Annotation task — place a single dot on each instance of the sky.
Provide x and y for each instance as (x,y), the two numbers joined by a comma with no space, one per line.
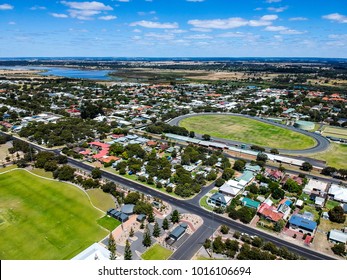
(173,28)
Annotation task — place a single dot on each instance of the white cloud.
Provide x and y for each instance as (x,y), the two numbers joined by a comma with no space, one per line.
(258,9)
(231,35)
(198,29)
(59,15)
(336,17)
(176,31)
(137,31)
(199,36)
(6,7)
(11,23)
(283,30)
(298,19)
(160,36)
(232,22)
(195,0)
(83,14)
(152,24)
(125,1)
(269,17)
(273,1)
(34,8)
(94,6)
(146,13)
(277,10)
(107,17)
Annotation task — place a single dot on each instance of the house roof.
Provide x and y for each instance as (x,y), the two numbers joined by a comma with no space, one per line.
(250,203)
(270,212)
(128,208)
(218,197)
(303,223)
(339,192)
(178,231)
(246,176)
(338,235)
(229,190)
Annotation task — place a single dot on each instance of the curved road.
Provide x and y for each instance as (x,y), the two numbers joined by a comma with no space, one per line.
(211,220)
(321,142)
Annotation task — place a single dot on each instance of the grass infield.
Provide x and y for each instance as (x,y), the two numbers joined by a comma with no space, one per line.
(44,219)
(248,131)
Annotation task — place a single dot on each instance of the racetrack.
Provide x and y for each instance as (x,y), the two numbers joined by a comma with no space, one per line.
(321,142)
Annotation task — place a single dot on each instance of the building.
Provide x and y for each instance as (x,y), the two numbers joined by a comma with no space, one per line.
(338,193)
(218,200)
(250,203)
(94,252)
(128,209)
(178,231)
(337,236)
(269,212)
(301,224)
(317,186)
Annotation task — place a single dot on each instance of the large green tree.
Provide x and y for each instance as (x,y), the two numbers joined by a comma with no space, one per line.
(112,247)
(128,255)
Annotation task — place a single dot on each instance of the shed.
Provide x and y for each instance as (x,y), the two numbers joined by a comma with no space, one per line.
(141,218)
(178,231)
(123,217)
(337,236)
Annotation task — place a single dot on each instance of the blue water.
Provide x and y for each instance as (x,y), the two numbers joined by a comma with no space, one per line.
(68,72)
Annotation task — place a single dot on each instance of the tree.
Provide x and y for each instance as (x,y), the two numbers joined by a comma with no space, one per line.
(337,215)
(262,157)
(150,217)
(64,173)
(274,151)
(147,237)
(156,230)
(206,137)
(50,165)
(224,229)
(279,225)
(90,111)
(246,214)
(219,182)
(228,173)
(239,165)
(306,166)
(132,198)
(112,247)
(339,249)
(131,233)
(207,243)
(175,217)
(218,245)
(165,224)
(96,173)
(191,134)
(257,242)
(128,255)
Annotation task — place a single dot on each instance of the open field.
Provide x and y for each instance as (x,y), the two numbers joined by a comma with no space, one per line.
(247,131)
(156,252)
(100,199)
(44,219)
(334,131)
(42,172)
(335,156)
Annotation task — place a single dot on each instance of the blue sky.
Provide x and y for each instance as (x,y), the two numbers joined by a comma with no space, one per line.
(165,28)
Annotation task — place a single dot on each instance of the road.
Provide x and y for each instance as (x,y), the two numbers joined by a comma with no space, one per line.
(321,142)
(211,220)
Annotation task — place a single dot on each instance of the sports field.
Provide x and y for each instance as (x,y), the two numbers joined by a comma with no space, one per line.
(335,156)
(248,131)
(44,219)
(337,132)
(156,252)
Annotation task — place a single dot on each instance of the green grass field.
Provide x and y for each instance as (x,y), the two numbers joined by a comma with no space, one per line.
(338,132)
(108,223)
(247,131)
(100,199)
(156,252)
(44,219)
(335,156)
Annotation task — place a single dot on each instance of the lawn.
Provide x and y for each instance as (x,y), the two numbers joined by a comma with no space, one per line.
(42,172)
(100,199)
(203,203)
(335,156)
(156,252)
(312,210)
(43,219)
(330,204)
(108,223)
(7,168)
(334,131)
(247,131)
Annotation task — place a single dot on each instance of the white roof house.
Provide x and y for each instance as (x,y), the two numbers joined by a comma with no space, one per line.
(338,236)
(315,185)
(338,193)
(94,252)
(229,190)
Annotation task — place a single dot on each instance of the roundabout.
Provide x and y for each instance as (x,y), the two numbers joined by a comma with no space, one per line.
(237,129)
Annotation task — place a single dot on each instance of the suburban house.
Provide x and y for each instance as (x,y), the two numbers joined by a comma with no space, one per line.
(338,236)
(250,203)
(274,174)
(231,188)
(301,224)
(269,212)
(316,187)
(338,193)
(218,200)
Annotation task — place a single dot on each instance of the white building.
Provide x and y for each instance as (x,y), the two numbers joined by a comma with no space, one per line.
(94,252)
(315,185)
(338,193)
